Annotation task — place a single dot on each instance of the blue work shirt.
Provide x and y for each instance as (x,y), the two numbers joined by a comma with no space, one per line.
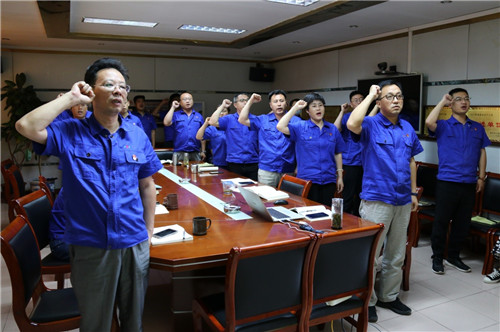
(148,122)
(185,129)
(352,153)
(134,120)
(67,114)
(315,150)
(276,151)
(387,151)
(168,131)
(217,139)
(57,221)
(100,177)
(459,149)
(242,143)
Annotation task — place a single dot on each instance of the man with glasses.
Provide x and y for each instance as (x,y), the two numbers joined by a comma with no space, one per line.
(461,146)
(186,123)
(242,145)
(351,157)
(109,195)
(389,185)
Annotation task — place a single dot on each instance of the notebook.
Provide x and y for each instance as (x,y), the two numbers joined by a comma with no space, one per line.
(277,213)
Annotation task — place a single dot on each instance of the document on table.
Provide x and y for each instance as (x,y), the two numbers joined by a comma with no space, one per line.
(179,236)
(268,192)
(160,209)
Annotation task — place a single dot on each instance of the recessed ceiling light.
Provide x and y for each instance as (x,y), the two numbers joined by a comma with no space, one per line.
(210,29)
(295,2)
(119,22)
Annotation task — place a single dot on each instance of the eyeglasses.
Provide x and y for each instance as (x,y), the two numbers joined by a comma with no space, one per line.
(357,100)
(187,99)
(112,86)
(390,97)
(242,100)
(460,99)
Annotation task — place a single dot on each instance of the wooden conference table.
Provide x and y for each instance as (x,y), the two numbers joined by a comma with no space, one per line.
(196,267)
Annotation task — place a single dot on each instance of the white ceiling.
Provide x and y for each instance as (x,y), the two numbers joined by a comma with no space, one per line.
(23,27)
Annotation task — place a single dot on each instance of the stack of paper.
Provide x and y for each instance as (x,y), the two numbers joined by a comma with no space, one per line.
(269,193)
(178,236)
(314,212)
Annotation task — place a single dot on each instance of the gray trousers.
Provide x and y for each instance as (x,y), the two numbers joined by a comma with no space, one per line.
(102,278)
(394,236)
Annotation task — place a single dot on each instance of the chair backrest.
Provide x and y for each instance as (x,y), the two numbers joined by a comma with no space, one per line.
(294,185)
(36,207)
(490,197)
(42,180)
(267,280)
(342,265)
(427,178)
(14,181)
(22,257)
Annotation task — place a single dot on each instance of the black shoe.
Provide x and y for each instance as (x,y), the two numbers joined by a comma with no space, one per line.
(397,306)
(372,314)
(457,264)
(437,265)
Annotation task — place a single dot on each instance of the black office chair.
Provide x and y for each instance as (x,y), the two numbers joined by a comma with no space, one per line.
(36,207)
(294,185)
(164,154)
(264,289)
(53,310)
(342,265)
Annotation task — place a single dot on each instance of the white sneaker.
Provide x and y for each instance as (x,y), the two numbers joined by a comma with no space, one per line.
(493,277)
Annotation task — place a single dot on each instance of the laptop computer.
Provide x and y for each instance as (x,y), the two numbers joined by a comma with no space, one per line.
(277,213)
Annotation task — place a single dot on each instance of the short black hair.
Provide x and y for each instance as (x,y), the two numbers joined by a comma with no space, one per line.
(310,97)
(390,82)
(355,92)
(294,101)
(276,92)
(104,63)
(139,97)
(235,97)
(456,90)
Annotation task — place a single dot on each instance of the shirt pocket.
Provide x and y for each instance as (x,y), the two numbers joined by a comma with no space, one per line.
(89,162)
(130,165)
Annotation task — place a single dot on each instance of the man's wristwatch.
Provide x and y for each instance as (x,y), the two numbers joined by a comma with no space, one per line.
(414,194)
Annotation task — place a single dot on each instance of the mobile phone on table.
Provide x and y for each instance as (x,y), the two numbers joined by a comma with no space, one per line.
(316,215)
(164,233)
(215,172)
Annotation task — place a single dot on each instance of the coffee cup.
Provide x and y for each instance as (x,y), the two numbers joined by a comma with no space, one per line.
(200,226)
(170,201)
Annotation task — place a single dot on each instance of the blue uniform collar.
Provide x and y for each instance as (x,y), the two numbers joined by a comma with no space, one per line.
(454,121)
(312,124)
(385,121)
(96,128)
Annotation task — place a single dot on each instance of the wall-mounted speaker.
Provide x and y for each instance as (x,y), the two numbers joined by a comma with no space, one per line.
(260,74)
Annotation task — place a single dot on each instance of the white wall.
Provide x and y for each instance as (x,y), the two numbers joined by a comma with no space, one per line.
(465,52)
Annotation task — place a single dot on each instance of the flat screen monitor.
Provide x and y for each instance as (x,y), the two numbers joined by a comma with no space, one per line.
(412,91)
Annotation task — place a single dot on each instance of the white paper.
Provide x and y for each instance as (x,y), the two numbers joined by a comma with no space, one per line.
(268,192)
(179,236)
(160,209)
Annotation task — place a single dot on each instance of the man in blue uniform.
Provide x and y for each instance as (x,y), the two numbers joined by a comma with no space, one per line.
(109,195)
(389,187)
(242,145)
(186,123)
(147,119)
(461,150)
(276,151)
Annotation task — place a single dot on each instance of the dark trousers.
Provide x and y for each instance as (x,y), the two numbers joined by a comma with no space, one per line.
(353,177)
(322,193)
(248,170)
(454,201)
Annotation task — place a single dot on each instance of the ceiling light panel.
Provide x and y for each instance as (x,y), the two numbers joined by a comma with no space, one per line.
(191,27)
(119,22)
(304,3)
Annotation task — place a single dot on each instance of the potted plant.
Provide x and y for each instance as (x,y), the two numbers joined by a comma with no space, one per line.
(19,100)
